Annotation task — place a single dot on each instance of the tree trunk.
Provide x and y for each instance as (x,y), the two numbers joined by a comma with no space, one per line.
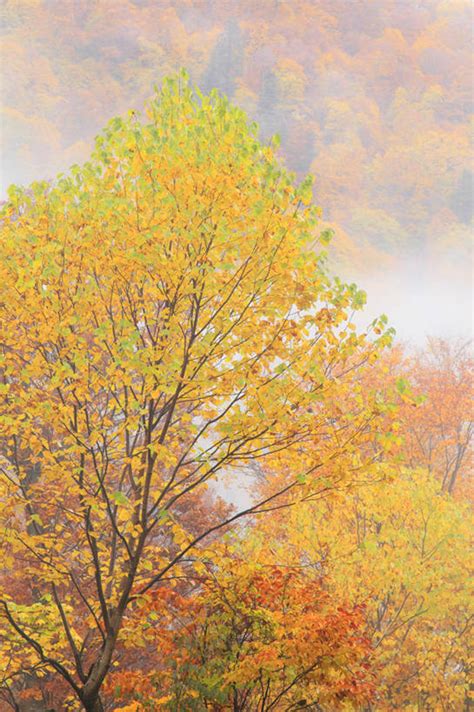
(94,705)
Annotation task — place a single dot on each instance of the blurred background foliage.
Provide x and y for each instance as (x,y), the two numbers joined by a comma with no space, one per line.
(374,98)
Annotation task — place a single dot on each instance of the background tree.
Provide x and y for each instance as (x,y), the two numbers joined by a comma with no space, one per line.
(401,547)
(438,434)
(433,390)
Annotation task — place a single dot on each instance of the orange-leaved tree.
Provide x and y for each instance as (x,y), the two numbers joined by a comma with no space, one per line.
(162,314)
(433,424)
(438,434)
(254,636)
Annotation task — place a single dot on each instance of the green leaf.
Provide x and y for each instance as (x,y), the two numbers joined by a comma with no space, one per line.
(120,498)
(402,385)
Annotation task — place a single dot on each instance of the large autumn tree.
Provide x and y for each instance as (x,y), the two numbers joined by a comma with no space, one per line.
(164,319)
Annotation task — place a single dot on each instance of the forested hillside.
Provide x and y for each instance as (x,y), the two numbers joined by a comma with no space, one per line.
(367,96)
